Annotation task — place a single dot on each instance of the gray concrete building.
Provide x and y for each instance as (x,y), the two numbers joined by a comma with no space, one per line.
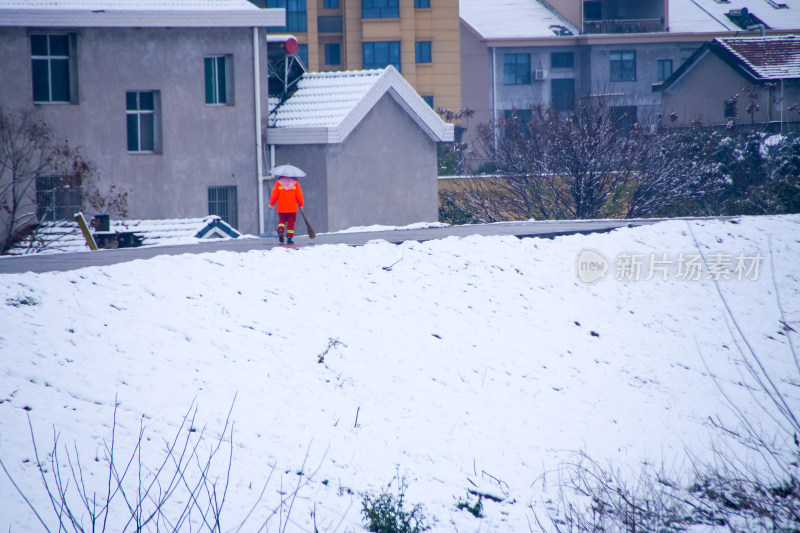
(367,141)
(165,98)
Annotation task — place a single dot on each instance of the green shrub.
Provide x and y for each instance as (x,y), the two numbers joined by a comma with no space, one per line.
(386,513)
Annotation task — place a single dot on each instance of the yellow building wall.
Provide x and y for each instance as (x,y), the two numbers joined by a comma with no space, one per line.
(438,24)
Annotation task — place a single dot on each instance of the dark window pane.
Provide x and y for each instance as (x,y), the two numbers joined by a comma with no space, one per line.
(131,101)
(59,70)
(562,60)
(133,132)
(563,93)
(209,77)
(41,80)
(59,45)
(332,54)
(369,55)
(147,127)
(146,100)
(423,52)
(39,45)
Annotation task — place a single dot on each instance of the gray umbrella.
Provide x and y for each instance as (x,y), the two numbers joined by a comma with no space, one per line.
(290,171)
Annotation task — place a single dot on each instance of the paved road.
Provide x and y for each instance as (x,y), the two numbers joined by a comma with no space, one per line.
(72,261)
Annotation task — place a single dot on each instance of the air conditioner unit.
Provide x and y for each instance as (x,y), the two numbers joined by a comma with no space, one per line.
(540,75)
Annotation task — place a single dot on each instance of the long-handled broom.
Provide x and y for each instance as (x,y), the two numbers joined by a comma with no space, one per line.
(311,232)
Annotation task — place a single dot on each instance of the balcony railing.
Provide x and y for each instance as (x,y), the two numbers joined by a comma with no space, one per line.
(623,26)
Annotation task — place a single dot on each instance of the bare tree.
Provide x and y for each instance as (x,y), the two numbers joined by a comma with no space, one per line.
(29,150)
(593,161)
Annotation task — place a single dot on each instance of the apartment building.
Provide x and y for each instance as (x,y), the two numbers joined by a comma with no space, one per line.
(516,53)
(419,38)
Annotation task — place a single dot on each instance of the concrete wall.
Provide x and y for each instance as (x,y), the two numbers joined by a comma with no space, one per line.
(383,173)
(201,145)
(313,159)
(701,94)
(640,91)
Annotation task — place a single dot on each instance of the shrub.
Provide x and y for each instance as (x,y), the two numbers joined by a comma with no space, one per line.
(386,513)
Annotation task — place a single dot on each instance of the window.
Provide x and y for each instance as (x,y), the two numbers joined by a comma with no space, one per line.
(664,69)
(331,4)
(141,113)
(563,93)
(57,198)
(382,54)
(379,9)
(302,54)
(520,118)
(624,117)
(423,51)
(333,54)
(296,19)
(52,58)
(428,100)
(218,80)
(517,69)
(222,202)
(422,3)
(730,108)
(623,66)
(562,60)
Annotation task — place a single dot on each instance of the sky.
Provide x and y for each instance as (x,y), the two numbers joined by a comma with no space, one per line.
(324,373)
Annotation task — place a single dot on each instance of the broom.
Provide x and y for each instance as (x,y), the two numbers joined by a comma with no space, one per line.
(311,232)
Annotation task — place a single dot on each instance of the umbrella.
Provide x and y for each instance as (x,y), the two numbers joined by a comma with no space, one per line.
(290,171)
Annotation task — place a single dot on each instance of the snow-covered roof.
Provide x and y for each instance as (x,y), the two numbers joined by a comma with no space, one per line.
(512,19)
(64,236)
(328,105)
(711,15)
(523,19)
(137,13)
(757,59)
(767,57)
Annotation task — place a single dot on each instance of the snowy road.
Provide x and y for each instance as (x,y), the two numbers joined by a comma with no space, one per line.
(73,261)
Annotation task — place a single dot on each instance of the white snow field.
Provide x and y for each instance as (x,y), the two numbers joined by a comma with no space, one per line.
(460,363)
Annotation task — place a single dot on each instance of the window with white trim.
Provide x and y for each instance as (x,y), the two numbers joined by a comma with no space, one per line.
(218,80)
(52,62)
(141,108)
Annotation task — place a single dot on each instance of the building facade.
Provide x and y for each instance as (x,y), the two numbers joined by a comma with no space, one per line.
(557,53)
(419,38)
(166,103)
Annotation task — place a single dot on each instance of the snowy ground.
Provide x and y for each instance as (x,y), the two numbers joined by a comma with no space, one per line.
(476,360)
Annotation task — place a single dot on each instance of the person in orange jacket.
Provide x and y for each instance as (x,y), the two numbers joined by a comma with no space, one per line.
(289,196)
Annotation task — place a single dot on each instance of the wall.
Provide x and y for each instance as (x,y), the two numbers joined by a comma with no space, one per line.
(640,91)
(383,173)
(312,159)
(202,145)
(701,94)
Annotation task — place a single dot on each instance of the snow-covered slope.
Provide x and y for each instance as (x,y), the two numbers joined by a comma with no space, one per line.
(477,360)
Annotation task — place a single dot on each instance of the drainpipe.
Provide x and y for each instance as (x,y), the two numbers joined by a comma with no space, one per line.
(494,92)
(257,99)
(760,27)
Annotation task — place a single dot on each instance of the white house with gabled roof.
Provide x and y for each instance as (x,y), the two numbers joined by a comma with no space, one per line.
(367,141)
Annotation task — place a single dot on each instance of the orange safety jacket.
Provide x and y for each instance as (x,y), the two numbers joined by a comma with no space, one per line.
(288,194)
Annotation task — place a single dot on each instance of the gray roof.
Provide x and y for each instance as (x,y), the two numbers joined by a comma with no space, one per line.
(137,13)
